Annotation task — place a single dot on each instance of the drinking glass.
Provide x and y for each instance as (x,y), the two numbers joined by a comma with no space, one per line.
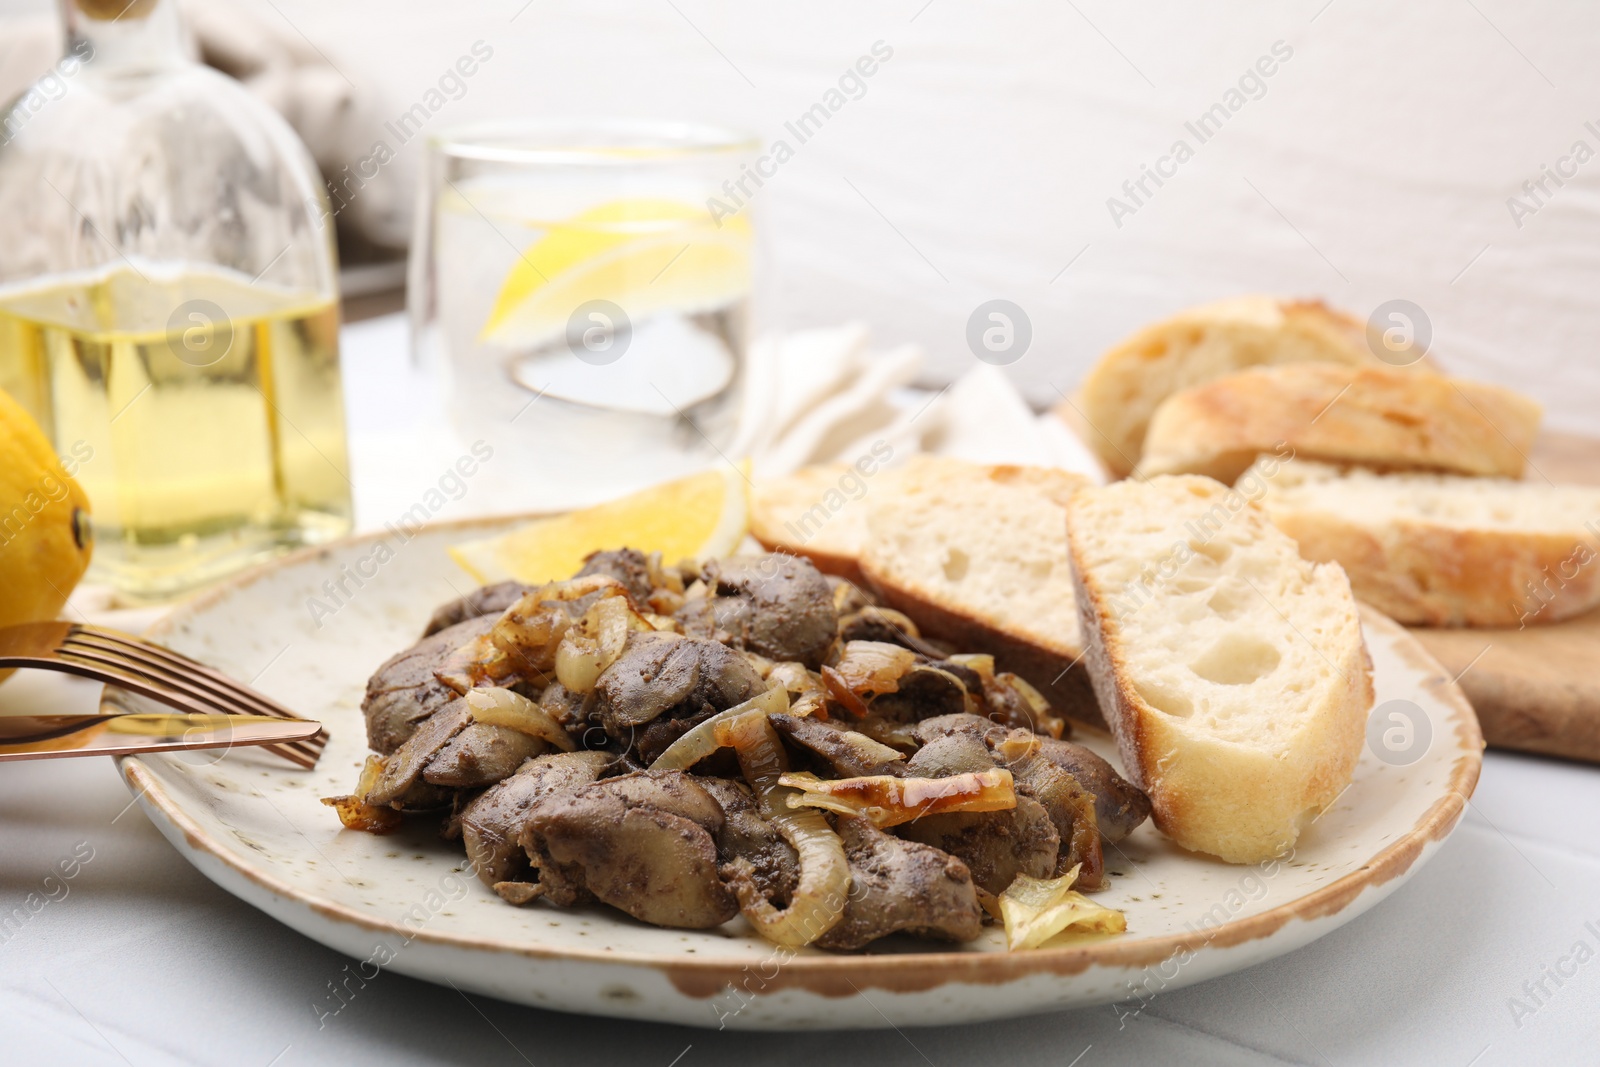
(584,290)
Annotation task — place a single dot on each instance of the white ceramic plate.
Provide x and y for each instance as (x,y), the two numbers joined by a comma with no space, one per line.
(310,629)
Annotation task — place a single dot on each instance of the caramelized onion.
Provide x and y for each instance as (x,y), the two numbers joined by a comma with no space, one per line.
(789,674)
(530,632)
(501,707)
(578,664)
(868,668)
(662,576)
(478,662)
(525,641)
(1037,909)
(354,811)
(888,801)
(701,741)
(979,663)
(531,627)
(596,641)
(819,898)
(840,691)
(608,622)
(1016,745)
(1044,720)
(806,693)
(762,664)
(761,758)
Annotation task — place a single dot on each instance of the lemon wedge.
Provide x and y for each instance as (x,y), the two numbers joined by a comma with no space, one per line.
(705,514)
(644,255)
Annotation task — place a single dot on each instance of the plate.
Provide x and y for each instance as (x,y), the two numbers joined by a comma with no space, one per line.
(309,629)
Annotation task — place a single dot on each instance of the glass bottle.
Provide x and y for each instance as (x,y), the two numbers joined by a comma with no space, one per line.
(169,305)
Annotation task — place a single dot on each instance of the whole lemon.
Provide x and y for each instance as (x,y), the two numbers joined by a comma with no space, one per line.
(45,539)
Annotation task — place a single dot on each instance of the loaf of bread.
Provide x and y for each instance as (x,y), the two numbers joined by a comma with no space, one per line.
(1383,417)
(1114,403)
(1232,672)
(977,556)
(1439,549)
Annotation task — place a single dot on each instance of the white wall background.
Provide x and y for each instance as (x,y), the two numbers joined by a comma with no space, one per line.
(1377,164)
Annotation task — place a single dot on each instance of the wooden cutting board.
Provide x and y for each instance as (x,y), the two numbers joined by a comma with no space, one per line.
(1535,689)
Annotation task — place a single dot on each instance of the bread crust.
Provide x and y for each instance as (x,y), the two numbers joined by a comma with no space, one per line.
(1240,804)
(1381,417)
(1425,574)
(1113,404)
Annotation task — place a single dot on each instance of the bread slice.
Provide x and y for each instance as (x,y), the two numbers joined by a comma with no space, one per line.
(1232,672)
(977,556)
(1439,549)
(818,512)
(1114,403)
(1378,416)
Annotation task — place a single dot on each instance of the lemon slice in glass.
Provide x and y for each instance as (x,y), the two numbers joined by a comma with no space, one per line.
(645,255)
(703,515)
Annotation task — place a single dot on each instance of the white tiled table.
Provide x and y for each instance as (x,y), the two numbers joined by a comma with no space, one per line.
(139,960)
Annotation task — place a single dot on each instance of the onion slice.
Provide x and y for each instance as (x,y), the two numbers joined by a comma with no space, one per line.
(531,632)
(597,640)
(354,811)
(840,691)
(1017,745)
(820,895)
(578,662)
(701,741)
(868,668)
(806,694)
(823,890)
(979,663)
(888,801)
(610,620)
(502,707)
(1037,909)
(478,662)
(1045,721)
(531,628)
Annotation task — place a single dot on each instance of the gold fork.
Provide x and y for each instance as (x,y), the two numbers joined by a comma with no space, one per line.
(147,669)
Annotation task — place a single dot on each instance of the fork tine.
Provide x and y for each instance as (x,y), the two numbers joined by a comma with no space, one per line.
(173,670)
(232,698)
(105,659)
(116,675)
(169,682)
(291,751)
(300,753)
(183,672)
(147,651)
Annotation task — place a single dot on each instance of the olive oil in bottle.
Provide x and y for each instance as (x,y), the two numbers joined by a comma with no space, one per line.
(203,412)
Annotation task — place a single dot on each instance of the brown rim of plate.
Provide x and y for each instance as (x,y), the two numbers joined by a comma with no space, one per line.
(846,975)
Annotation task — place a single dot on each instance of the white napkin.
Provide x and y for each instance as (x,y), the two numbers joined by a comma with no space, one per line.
(825,395)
